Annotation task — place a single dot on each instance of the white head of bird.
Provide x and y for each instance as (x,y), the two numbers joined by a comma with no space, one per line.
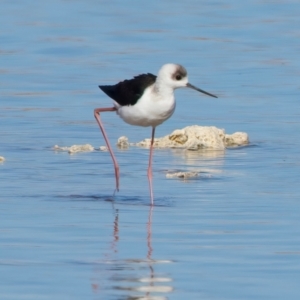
(175,76)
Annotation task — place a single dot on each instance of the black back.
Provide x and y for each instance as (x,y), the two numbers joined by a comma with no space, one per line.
(128,92)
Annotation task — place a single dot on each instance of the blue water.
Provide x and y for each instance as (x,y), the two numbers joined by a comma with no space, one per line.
(232,233)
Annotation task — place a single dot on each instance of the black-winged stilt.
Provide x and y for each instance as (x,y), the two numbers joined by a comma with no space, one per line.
(146,100)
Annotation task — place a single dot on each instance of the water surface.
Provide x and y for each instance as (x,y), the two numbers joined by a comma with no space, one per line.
(232,233)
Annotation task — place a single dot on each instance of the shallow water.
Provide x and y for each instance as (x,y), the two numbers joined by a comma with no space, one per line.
(232,233)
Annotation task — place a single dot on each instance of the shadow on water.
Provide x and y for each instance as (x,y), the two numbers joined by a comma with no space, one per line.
(243,147)
(116,199)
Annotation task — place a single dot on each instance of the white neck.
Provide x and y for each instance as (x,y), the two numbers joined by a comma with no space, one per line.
(163,90)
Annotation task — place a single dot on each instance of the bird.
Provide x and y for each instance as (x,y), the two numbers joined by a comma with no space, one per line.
(145,100)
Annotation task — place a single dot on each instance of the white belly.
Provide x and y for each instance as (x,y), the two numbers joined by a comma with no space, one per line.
(148,111)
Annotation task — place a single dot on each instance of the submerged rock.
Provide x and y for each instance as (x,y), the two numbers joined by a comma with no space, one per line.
(75,148)
(183,175)
(2,159)
(198,137)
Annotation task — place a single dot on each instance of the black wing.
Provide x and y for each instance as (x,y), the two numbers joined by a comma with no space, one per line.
(128,92)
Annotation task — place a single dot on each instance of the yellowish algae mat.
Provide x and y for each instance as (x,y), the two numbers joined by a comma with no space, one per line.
(196,138)
(191,138)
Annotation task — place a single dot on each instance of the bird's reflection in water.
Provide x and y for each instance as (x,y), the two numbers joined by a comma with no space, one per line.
(207,163)
(133,279)
(211,158)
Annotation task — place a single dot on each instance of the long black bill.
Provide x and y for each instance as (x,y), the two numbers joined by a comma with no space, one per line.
(199,90)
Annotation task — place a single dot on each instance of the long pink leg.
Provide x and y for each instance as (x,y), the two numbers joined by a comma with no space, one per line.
(150,166)
(97,112)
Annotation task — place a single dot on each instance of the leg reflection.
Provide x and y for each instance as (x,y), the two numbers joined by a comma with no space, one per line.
(133,277)
(149,233)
